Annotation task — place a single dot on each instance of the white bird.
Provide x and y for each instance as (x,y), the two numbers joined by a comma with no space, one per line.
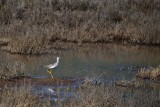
(52,66)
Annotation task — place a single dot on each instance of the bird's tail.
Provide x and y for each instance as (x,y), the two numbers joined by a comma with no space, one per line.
(42,66)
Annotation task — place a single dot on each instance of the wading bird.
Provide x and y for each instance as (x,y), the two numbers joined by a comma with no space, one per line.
(52,66)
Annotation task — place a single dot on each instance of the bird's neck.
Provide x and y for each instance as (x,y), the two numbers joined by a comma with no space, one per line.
(57,61)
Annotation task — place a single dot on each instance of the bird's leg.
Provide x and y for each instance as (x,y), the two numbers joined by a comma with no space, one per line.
(50,72)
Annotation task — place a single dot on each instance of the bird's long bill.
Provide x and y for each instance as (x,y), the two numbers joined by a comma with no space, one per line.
(50,72)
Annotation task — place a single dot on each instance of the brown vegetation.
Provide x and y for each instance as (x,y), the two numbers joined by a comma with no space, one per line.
(125,83)
(88,96)
(27,45)
(26,22)
(95,96)
(21,97)
(110,96)
(137,84)
(152,73)
(13,70)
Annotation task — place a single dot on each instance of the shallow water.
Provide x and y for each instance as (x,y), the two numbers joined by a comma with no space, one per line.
(109,61)
(112,62)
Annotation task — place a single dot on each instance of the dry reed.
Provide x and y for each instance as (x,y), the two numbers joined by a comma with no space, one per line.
(129,21)
(13,70)
(21,97)
(152,73)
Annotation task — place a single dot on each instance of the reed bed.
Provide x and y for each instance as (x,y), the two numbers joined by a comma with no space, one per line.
(80,21)
(27,45)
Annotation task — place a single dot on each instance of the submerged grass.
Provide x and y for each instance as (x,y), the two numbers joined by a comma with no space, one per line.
(129,21)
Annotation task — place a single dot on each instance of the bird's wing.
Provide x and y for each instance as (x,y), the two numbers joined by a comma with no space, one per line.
(48,66)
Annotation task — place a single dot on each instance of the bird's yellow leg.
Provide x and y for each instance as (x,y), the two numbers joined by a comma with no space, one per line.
(50,72)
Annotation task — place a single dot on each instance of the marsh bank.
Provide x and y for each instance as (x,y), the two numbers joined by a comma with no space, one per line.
(36,24)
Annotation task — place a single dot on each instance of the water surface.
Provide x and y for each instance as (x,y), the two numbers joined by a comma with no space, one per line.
(103,60)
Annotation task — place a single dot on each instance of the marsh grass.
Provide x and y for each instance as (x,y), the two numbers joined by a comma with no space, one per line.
(28,45)
(129,21)
(13,70)
(21,97)
(152,73)
(95,96)
(87,95)
(111,96)
(31,45)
